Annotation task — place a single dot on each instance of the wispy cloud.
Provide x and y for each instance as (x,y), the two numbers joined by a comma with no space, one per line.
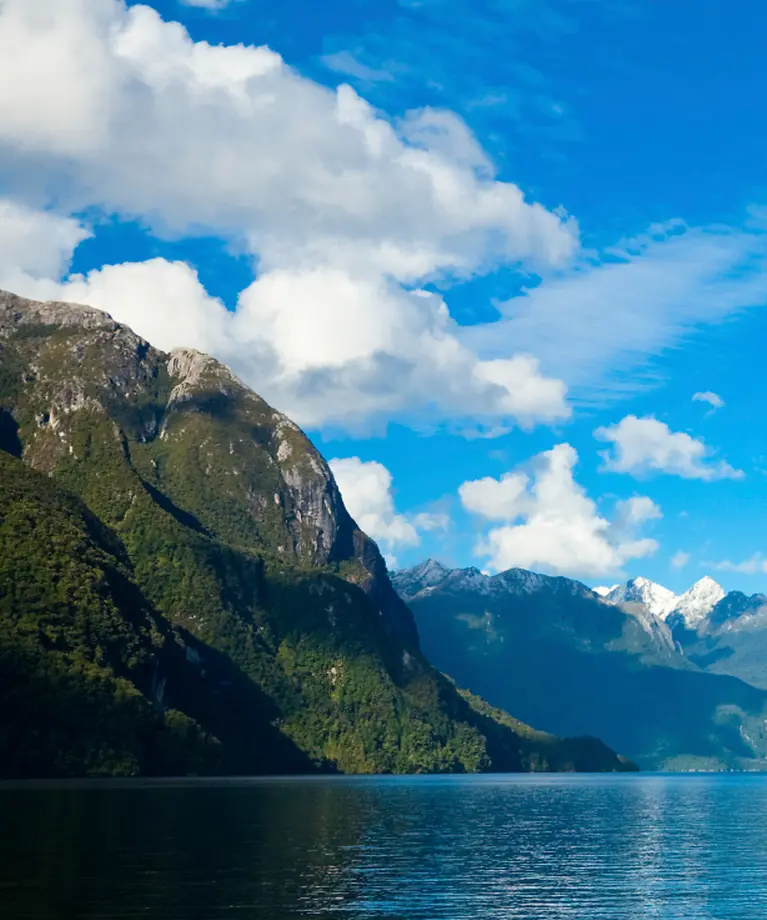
(600,325)
(346,63)
(713,399)
(751,566)
(208,4)
(470,55)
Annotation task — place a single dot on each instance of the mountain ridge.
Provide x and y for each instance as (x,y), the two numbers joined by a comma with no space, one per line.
(689,608)
(285,642)
(570,660)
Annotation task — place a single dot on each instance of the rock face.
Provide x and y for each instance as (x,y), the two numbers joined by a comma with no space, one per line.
(571,661)
(80,364)
(271,637)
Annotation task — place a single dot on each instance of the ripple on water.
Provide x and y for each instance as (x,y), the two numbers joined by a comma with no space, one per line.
(442,848)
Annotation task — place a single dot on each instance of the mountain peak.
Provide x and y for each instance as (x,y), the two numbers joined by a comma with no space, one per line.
(696,603)
(706,583)
(654,597)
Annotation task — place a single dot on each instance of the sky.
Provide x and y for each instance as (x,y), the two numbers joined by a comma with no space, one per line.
(504,260)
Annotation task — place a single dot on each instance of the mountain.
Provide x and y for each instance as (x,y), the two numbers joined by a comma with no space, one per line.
(92,678)
(656,599)
(183,591)
(604,590)
(696,604)
(730,639)
(686,609)
(571,662)
(720,633)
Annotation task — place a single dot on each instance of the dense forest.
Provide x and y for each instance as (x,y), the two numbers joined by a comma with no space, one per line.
(182,590)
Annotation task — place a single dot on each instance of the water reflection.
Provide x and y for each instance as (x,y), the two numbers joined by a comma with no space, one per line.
(530,848)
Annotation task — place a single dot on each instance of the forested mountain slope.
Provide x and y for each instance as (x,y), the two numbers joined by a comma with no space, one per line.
(219,598)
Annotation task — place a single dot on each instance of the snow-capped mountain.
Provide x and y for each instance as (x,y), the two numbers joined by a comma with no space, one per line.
(604,590)
(649,600)
(698,602)
(611,663)
(656,599)
(687,610)
(431,575)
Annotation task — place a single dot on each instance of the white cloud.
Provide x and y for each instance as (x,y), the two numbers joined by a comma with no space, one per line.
(319,345)
(714,400)
(366,491)
(232,140)
(496,499)
(366,488)
(755,564)
(680,559)
(643,445)
(111,107)
(599,325)
(35,243)
(432,520)
(638,510)
(346,63)
(208,4)
(551,524)
(163,301)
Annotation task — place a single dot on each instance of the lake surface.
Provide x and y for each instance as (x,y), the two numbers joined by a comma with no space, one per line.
(442,848)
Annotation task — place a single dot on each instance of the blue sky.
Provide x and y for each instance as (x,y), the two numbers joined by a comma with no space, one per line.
(385,281)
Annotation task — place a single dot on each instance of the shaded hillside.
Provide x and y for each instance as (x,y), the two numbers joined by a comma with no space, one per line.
(562,659)
(262,615)
(730,639)
(92,679)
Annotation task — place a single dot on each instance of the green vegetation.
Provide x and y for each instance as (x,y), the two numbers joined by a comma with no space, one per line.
(183,591)
(76,641)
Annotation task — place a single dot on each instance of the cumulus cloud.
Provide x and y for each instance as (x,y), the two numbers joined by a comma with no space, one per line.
(366,488)
(551,524)
(637,510)
(319,345)
(642,445)
(348,213)
(163,301)
(191,135)
(106,106)
(680,559)
(35,244)
(496,499)
(713,399)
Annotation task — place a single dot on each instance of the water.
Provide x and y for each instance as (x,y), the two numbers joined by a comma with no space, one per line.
(527,847)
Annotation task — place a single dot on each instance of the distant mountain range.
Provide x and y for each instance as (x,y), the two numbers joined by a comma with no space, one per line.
(689,608)
(721,633)
(674,681)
